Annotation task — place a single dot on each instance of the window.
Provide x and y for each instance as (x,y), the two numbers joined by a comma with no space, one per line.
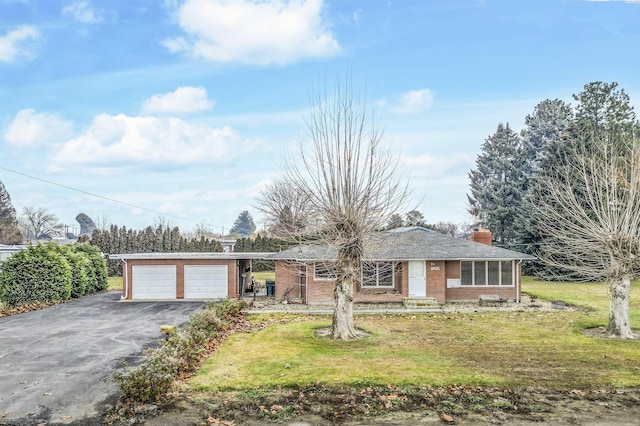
(324,271)
(377,274)
(486,272)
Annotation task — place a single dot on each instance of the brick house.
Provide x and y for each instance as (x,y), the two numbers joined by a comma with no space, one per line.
(177,276)
(406,262)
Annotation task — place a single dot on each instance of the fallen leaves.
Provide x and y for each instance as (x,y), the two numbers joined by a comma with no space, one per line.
(27,307)
(447,418)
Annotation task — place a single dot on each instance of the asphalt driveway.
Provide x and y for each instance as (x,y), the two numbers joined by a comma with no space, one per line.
(53,361)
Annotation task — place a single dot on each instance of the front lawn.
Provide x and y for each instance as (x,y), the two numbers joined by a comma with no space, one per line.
(592,296)
(505,349)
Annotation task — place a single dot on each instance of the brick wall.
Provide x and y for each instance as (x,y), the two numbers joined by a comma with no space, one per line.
(290,274)
(436,281)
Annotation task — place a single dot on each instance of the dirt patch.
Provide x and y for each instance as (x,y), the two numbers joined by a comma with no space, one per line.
(321,405)
(325,333)
(601,333)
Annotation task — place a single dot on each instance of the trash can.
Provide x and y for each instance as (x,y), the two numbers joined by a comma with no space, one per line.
(271,287)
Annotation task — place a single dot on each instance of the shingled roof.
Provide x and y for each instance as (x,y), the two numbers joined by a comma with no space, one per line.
(410,243)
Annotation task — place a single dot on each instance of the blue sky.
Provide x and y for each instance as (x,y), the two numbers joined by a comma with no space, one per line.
(184,109)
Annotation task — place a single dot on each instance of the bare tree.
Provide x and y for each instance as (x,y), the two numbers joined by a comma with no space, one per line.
(588,209)
(347,179)
(287,210)
(41,224)
(102,222)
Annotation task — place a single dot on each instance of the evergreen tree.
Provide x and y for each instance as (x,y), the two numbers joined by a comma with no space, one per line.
(244,225)
(544,139)
(395,221)
(414,218)
(9,231)
(497,184)
(601,108)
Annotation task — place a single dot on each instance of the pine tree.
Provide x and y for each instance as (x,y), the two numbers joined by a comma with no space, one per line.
(244,224)
(9,231)
(603,108)
(497,184)
(544,140)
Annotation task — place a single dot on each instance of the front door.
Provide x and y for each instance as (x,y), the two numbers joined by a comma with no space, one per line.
(417,278)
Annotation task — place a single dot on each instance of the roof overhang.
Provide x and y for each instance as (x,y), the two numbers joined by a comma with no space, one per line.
(190,256)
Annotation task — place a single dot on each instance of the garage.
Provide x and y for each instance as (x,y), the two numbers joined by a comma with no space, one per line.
(154,282)
(205,281)
(182,276)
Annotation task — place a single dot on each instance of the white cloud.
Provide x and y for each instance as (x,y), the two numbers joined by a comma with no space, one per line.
(437,167)
(253,31)
(183,100)
(30,128)
(414,101)
(82,12)
(12,45)
(113,140)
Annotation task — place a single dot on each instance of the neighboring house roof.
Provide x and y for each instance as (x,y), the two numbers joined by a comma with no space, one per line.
(410,243)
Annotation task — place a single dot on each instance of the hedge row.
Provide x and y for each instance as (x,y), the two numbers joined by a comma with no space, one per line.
(49,272)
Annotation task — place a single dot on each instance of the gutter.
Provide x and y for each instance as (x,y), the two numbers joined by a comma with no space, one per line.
(126,280)
(518,272)
(306,283)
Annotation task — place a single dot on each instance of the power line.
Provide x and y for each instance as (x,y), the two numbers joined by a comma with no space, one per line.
(113,200)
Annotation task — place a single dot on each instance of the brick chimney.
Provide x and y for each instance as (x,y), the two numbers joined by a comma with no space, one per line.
(482,236)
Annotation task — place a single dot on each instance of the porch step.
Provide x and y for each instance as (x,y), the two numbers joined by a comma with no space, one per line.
(420,302)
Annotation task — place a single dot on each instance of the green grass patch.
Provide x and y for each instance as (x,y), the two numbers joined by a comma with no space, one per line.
(114,284)
(505,349)
(591,296)
(263,276)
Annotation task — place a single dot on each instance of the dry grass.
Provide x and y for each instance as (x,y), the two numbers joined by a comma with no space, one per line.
(114,284)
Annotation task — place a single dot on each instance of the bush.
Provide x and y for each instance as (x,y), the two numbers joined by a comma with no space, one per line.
(98,278)
(229,308)
(39,273)
(81,268)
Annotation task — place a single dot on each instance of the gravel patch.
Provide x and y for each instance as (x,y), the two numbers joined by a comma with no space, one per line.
(527,304)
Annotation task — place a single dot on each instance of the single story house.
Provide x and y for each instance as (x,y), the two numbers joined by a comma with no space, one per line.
(6,251)
(406,262)
(167,276)
(410,262)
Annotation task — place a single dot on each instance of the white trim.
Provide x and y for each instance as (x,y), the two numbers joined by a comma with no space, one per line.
(377,263)
(486,273)
(322,278)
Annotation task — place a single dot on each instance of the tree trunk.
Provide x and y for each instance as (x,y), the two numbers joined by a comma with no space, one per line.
(619,324)
(342,327)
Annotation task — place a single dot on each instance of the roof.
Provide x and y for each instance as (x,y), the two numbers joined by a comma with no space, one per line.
(175,255)
(411,243)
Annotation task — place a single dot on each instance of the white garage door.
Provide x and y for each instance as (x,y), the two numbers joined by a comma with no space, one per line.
(154,282)
(205,282)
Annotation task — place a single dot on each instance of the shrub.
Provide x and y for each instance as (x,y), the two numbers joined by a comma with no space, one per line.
(150,381)
(39,273)
(229,308)
(98,278)
(81,268)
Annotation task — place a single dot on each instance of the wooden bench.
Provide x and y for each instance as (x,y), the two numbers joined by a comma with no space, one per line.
(491,298)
